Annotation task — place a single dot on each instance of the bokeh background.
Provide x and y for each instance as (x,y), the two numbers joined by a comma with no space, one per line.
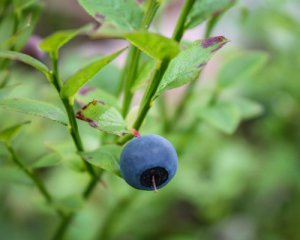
(243,186)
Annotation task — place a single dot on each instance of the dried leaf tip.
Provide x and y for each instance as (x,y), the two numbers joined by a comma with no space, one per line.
(216,42)
(85,90)
(99,17)
(81,116)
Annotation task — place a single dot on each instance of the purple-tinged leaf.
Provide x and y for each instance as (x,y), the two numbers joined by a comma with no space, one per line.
(103,117)
(188,64)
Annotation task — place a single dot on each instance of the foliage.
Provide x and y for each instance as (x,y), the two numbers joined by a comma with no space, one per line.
(236,130)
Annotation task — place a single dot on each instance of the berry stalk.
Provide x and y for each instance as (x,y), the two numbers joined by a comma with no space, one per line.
(131,67)
(73,127)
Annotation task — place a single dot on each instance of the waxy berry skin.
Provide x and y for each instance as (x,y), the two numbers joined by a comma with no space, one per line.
(146,159)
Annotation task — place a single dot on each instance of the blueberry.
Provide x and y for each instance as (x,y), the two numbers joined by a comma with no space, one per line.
(148,162)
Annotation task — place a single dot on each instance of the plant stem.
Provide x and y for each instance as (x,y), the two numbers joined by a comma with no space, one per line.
(120,208)
(181,106)
(63,227)
(74,131)
(211,25)
(152,87)
(151,90)
(55,73)
(35,178)
(189,91)
(68,219)
(73,127)
(90,187)
(180,28)
(5,63)
(177,35)
(133,58)
(132,63)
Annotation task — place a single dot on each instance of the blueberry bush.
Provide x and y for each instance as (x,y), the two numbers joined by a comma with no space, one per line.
(196,100)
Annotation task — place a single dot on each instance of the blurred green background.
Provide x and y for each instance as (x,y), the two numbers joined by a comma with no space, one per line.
(243,186)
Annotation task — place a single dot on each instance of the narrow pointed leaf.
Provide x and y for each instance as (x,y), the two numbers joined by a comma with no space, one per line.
(103,117)
(21,5)
(50,160)
(106,157)
(75,82)
(88,94)
(122,14)
(248,108)
(68,155)
(204,9)
(241,66)
(187,65)
(35,108)
(8,134)
(58,39)
(223,116)
(154,45)
(25,59)
(143,75)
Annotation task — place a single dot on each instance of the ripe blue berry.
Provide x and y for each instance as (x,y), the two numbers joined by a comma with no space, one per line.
(148,162)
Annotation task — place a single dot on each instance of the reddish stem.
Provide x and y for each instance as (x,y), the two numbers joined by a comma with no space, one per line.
(136,133)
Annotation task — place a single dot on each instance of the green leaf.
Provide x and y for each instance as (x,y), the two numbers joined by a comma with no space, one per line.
(88,94)
(248,108)
(55,41)
(131,116)
(20,5)
(68,155)
(188,64)
(154,45)
(106,157)
(123,14)
(241,66)
(8,134)
(26,59)
(103,117)
(14,175)
(34,107)
(27,22)
(108,79)
(204,9)
(143,75)
(75,82)
(49,160)
(224,116)
(6,91)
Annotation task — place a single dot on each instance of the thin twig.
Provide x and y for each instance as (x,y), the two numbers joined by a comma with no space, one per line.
(152,87)
(36,180)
